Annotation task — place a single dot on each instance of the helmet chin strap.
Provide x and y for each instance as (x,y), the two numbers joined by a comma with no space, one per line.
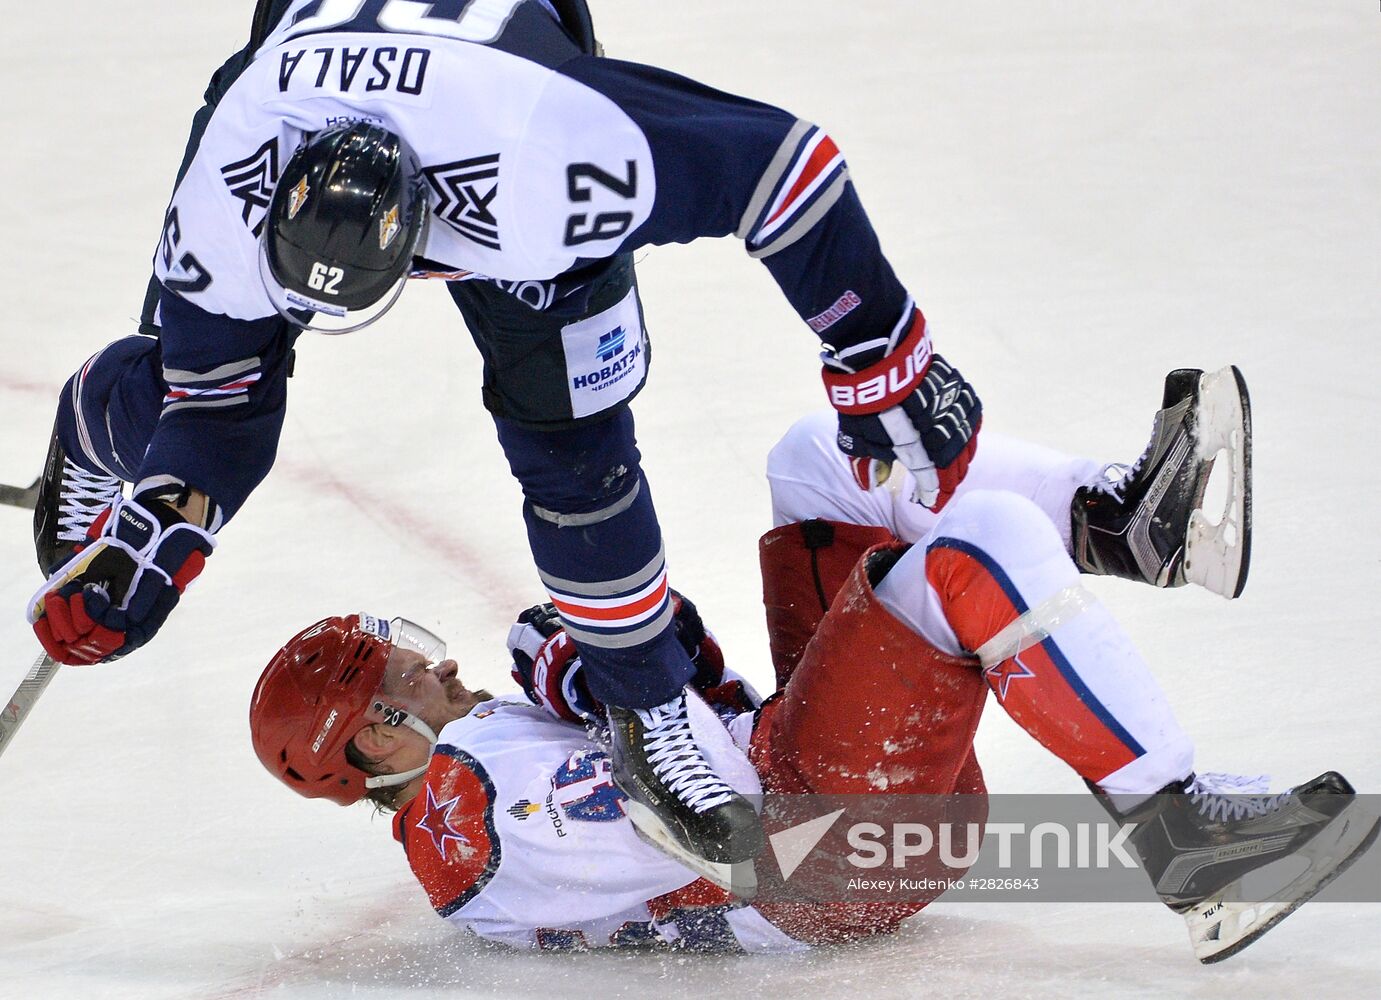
(395,716)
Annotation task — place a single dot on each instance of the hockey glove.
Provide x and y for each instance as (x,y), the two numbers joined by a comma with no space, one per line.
(547,666)
(903,403)
(698,642)
(722,689)
(114,594)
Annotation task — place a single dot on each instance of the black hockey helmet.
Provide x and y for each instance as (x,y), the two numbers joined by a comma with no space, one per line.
(349,211)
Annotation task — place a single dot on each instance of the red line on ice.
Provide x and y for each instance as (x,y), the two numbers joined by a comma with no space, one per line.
(444,539)
(10,383)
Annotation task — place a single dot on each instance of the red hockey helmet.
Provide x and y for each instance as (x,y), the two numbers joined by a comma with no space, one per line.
(319,691)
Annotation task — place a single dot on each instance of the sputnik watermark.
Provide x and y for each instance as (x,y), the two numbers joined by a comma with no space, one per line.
(1090,845)
(1046,844)
(967,848)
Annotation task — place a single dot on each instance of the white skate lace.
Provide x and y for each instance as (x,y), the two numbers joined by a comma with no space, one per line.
(1113,478)
(676,760)
(1223,797)
(82,498)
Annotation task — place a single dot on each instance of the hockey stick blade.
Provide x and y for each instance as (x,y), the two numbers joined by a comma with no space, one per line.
(20,496)
(25,696)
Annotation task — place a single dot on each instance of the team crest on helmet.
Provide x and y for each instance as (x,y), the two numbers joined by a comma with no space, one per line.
(389,228)
(297,197)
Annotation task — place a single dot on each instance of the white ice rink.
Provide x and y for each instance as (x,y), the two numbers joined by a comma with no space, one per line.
(1081,194)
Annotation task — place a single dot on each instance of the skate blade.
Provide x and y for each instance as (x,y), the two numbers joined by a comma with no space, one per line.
(740,879)
(1218,554)
(1223,925)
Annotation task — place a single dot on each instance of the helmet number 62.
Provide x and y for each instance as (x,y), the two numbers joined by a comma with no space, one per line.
(325,279)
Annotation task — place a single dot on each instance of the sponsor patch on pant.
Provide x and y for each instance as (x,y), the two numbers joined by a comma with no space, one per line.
(606,357)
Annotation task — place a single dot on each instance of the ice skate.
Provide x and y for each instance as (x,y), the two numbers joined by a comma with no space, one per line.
(1204,845)
(677,802)
(1146,522)
(69,499)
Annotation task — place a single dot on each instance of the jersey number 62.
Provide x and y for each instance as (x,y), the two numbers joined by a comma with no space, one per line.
(581,180)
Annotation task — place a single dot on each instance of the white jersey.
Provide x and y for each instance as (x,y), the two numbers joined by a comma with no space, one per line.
(582,166)
(519,836)
(542,167)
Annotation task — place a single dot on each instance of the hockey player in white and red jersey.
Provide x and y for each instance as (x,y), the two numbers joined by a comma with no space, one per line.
(885,651)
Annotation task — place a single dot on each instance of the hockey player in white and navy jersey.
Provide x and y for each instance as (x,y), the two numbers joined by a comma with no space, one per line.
(363,142)
(889,625)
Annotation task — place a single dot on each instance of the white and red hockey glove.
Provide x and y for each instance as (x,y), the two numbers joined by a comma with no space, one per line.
(547,665)
(901,402)
(115,593)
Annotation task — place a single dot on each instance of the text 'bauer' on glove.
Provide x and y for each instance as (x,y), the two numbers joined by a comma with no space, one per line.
(898,401)
(114,594)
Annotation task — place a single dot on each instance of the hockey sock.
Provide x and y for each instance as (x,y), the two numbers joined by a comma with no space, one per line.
(597,546)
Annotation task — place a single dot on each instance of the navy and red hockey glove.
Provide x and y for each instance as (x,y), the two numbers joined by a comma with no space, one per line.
(114,594)
(722,689)
(900,402)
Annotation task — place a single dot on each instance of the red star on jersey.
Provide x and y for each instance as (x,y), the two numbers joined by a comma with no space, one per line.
(1002,674)
(436,823)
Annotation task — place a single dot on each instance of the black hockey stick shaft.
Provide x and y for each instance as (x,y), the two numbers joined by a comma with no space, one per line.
(19,496)
(25,696)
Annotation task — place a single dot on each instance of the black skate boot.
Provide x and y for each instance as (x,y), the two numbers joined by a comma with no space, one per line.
(69,499)
(677,802)
(1200,842)
(1146,523)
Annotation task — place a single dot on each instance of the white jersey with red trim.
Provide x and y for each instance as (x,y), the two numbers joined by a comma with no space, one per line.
(520,836)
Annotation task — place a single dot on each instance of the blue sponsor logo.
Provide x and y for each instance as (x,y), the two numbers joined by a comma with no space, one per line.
(610,344)
(612,373)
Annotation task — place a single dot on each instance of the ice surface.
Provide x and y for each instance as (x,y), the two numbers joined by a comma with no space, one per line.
(1082,195)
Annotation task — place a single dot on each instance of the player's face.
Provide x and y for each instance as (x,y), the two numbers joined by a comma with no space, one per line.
(432,691)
